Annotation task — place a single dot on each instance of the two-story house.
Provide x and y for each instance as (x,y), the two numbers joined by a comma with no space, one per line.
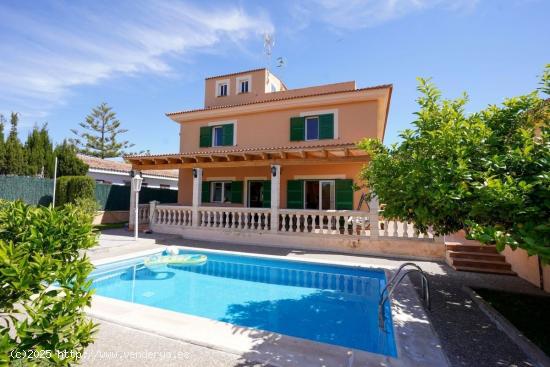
(252,124)
(264,164)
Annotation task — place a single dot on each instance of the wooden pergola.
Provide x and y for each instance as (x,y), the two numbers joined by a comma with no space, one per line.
(251,157)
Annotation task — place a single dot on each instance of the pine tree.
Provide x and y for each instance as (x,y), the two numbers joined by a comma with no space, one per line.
(14,153)
(2,143)
(68,164)
(39,152)
(99,136)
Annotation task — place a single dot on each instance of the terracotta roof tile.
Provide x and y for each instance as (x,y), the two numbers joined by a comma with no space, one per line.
(109,165)
(247,150)
(237,73)
(382,86)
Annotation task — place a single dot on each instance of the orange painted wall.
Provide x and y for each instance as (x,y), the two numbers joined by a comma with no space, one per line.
(527,267)
(328,171)
(272,128)
(256,90)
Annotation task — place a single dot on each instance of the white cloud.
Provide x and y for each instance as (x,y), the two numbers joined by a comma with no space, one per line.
(54,47)
(355,14)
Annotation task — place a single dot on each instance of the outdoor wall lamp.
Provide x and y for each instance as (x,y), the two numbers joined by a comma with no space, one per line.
(273,171)
(195,174)
(136,187)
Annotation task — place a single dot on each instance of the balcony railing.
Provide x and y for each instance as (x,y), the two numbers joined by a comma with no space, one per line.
(344,223)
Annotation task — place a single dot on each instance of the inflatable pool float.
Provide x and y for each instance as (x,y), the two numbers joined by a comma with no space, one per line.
(155,262)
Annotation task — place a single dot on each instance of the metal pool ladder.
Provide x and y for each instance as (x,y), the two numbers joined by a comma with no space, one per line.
(394,282)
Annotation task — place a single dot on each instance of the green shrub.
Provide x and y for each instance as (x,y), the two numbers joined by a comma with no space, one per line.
(88,206)
(44,282)
(71,188)
(80,187)
(61,190)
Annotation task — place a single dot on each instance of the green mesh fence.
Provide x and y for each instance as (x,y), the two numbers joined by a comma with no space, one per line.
(38,191)
(31,190)
(113,197)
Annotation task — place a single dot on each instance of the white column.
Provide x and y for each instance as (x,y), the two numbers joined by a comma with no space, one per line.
(197,195)
(132,218)
(152,207)
(373,218)
(275,196)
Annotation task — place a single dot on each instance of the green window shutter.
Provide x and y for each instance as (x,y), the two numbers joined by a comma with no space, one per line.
(295,194)
(228,134)
(326,126)
(266,193)
(344,194)
(205,192)
(297,128)
(237,192)
(205,136)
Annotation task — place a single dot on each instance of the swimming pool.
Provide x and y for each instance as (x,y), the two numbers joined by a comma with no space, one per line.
(324,303)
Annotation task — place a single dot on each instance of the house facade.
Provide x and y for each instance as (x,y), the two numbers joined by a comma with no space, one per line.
(251,122)
(264,164)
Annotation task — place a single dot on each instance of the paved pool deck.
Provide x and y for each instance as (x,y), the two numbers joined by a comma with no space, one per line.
(468,337)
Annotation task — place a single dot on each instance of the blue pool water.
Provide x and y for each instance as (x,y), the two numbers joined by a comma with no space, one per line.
(324,303)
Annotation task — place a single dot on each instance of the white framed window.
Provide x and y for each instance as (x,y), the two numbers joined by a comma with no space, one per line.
(244,84)
(220,192)
(312,128)
(217,136)
(222,88)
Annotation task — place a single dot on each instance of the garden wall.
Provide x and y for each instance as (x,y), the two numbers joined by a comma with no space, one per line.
(527,267)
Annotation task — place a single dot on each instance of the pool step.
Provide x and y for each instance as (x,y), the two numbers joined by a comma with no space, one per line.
(477,258)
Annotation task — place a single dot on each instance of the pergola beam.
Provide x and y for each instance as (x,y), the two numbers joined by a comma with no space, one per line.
(253,163)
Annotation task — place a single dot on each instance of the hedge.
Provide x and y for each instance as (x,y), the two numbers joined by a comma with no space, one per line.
(70,188)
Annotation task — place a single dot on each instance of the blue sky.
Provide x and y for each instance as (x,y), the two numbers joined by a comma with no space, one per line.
(145,58)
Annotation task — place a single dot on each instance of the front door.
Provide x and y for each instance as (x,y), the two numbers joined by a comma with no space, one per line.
(255,194)
(326,193)
(319,195)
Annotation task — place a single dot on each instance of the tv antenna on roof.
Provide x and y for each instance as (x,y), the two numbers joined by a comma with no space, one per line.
(269,42)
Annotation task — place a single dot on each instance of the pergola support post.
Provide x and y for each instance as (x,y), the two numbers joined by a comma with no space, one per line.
(275,196)
(197,196)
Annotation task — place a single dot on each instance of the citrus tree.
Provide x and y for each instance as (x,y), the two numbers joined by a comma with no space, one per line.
(486,172)
(45,285)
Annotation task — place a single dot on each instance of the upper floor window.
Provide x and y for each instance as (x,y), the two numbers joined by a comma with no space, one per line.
(222,88)
(273,88)
(222,91)
(312,128)
(244,84)
(217,136)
